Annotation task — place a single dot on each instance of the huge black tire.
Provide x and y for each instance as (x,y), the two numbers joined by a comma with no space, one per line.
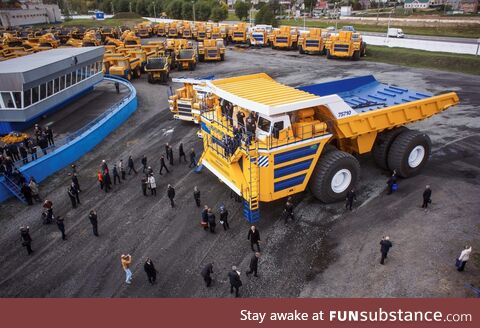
(300,50)
(329,56)
(409,153)
(382,146)
(356,55)
(363,49)
(150,78)
(222,57)
(201,58)
(335,174)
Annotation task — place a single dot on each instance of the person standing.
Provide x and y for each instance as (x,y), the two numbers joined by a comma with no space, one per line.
(76,192)
(150,270)
(351,196)
(254,237)
(75,181)
(93,220)
(162,165)
(392,183)
(253,265)
(193,161)
(117,87)
(211,220)
(205,218)
(126,261)
(121,167)
(100,179)
(171,194)
(196,195)
(235,281)
(144,186)
(71,195)
(49,133)
(34,188)
(170,155)
(131,166)
(116,175)
(288,210)
(167,150)
(206,274)
(240,118)
(152,185)
(61,227)
(26,238)
(107,181)
(144,163)
(181,154)
(27,193)
(224,218)
(427,197)
(463,258)
(385,245)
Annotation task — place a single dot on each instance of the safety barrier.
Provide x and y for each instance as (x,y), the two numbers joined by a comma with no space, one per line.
(81,142)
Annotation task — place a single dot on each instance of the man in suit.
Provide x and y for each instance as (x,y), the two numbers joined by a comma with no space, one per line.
(235,281)
(385,245)
(206,274)
(254,265)
(254,237)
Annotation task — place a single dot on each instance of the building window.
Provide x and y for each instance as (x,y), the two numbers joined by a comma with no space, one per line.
(34,95)
(69,79)
(27,98)
(7,100)
(62,82)
(17,97)
(43,91)
(56,87)
(74,77)
(49,88)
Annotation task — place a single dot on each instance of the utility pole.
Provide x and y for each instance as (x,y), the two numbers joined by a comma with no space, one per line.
(154,10)
(113,8)
(130,6)
(335,11)
(193,8)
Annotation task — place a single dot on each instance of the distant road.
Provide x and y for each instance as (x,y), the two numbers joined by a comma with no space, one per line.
(428,37)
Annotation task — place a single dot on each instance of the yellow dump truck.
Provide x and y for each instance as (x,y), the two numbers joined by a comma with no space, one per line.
(211,50)
(285,37)
(158,69)
(188,102)
(238,33)
(144,29)
(173,30)
(299,137)
(215,32)
(131,40)
(125,67)
(200,31)
(345,44)
(159,29)
(185,59)
(187,30)
(259,36)
(90,39)
(312,42)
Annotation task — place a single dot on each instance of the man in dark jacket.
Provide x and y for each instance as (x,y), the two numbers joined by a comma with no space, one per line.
(162,165)
(144,186)
(181,154)
(167,150)
(385,245)
(206,274)
(211,220)
(75,181)
(23,154)
(170,155)
(171,194)
(254,237)
(107,182)
(391,182)
(116,175)
(61,227)
(49,134)
(76,192)
(193,161)
(26,239)
(144,163)
(351,196)
(235,281)
(224,218)
(71,195)
(427,197)
(205,217)
(288,211)
(196,195)
(27,193)
(131,165)
(253,265)
(93,220)
(150,270)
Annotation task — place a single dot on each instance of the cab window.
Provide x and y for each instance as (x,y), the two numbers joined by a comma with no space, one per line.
(263,124)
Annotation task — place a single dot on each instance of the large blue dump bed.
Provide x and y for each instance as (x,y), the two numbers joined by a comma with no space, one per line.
(365,93)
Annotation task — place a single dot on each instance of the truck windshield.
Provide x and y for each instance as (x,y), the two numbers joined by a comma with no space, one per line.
(264,124)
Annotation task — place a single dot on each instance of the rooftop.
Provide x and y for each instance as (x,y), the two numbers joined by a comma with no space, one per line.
(262,94)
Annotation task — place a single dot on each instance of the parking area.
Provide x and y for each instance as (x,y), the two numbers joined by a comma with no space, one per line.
(327,252)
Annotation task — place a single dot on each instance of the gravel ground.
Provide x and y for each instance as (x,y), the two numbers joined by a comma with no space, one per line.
(326,253)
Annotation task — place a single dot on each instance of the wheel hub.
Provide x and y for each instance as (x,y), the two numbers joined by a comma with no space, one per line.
(341,180)
(416,156)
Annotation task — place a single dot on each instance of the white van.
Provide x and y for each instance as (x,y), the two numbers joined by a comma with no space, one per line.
(395,33)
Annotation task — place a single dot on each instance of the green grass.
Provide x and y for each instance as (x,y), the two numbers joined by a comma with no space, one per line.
(466,31)
(107,22)
(467,64)
(232,16)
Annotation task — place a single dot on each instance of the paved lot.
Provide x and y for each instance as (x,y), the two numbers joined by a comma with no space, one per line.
(326,253)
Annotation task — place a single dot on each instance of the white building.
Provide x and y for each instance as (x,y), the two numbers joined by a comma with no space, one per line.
(30,13)
(416,4)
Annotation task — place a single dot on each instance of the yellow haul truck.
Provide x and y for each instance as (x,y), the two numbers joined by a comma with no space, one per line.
(172,30)
(125,67)
(259,36)
(200,31)
(188,102)
(187,31)
(345,44)
(306,137)
(144,29)
(312,42)
(286,37)
(186,58)
(238,33)
(160,29)
(211,50)
(158,69)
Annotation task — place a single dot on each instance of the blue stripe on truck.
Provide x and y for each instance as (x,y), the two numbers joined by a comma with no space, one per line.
(295,154)
(278,186)
(292,168)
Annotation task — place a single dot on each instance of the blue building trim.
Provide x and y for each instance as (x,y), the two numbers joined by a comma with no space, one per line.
(82,144)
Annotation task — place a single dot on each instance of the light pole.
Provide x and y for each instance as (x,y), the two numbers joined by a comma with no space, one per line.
(335,10)
(154,10)
(389,17)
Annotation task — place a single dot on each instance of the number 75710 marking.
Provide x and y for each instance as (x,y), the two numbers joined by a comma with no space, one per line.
(344,113)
